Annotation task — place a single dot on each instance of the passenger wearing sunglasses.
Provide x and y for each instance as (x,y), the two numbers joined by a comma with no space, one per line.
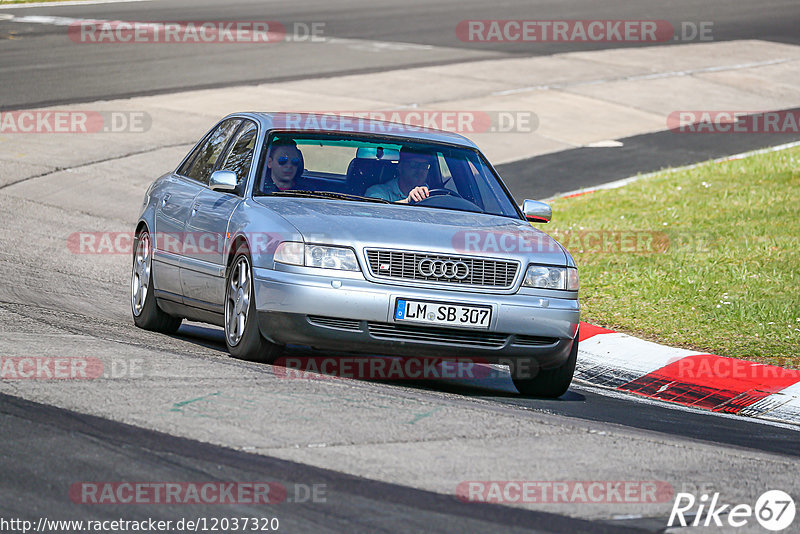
(410,184)
(284,166)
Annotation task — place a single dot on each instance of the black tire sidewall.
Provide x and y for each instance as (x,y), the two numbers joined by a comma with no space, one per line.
(551,383)
(251,346)
(152,317)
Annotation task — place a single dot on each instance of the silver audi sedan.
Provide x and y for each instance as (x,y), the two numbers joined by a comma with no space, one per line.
(342,233)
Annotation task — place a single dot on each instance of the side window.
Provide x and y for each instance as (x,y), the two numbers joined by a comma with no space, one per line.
(240,156)
(207,154)
(187,164)
(466,180)
(488,195)
(447,176)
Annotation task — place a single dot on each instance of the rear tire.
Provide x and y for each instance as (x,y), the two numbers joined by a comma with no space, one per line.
(144,308)
(550,383)
(242,336)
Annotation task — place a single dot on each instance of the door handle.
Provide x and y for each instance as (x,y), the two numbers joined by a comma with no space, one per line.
(165,199)
(194,208)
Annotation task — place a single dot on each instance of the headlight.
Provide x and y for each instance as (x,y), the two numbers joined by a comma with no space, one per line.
(544,277)
(324,257)
(331,258)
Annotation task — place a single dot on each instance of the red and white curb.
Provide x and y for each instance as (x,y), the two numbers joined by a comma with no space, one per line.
(706,381)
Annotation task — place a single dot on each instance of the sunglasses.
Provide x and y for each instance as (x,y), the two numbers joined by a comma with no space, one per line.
(419,165)
(283,160)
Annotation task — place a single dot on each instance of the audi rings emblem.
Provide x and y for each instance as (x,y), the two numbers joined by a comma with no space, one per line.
(443,269)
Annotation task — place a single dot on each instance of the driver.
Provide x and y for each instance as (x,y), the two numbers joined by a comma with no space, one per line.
(284,167)
(413,170)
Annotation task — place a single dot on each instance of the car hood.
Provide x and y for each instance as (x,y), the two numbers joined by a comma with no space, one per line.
(415,228)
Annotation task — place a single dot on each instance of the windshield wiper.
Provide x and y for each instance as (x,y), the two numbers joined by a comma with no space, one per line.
(325,194)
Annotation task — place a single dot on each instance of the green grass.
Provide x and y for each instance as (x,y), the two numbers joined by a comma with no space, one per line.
(722,271)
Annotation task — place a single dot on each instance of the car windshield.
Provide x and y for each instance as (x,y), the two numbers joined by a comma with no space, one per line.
(351,168)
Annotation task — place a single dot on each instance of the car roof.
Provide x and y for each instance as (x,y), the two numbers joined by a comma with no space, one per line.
(329,123)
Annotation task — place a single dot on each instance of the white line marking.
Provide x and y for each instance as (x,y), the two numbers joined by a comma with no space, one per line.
(68,3)
(607,143)
(625,181)
(355,44)
(650,76)
(377,46)
(45,19)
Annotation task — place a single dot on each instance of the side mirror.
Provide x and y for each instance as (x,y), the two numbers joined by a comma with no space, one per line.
(223,181)
(535,211)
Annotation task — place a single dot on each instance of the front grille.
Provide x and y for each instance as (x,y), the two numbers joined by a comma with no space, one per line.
(533,341)
(452,336)
(333,322)
(402,265)
(425,334)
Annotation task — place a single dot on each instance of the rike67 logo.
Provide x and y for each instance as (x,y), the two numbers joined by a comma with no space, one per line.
(774,510)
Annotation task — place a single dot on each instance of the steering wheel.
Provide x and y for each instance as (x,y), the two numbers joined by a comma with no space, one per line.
(443,191)
(437,193)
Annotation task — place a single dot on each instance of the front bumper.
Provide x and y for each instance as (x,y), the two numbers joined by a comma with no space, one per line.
(337,311)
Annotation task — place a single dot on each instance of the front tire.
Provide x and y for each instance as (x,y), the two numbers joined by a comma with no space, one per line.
(145,310)
(242,336)
(550,383)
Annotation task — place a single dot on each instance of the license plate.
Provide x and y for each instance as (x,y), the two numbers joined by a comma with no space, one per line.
(438,313)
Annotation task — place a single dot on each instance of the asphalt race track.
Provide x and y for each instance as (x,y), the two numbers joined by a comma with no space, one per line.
(103,449)
(388,456)
(36,70)
(570,170)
